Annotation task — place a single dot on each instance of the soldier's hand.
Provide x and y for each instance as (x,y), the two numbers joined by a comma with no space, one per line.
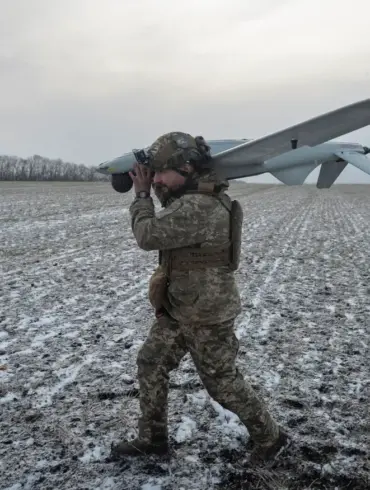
(141,177)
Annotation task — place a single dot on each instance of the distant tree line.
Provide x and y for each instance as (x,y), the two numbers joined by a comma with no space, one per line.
(39,168)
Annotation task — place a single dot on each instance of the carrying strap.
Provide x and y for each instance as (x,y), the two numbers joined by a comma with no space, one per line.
(204,188)
(212,190)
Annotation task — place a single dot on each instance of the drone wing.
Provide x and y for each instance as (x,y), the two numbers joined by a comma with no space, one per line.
(310,133)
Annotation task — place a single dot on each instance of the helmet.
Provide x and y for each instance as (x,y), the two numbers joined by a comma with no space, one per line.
(175,149)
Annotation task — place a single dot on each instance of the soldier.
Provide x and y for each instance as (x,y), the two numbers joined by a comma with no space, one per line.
(193,292)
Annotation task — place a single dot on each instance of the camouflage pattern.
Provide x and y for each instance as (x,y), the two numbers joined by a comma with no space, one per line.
(172,150)
(198,296)
(201,307)
(213,349)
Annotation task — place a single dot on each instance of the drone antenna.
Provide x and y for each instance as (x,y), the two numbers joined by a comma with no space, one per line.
(294,143)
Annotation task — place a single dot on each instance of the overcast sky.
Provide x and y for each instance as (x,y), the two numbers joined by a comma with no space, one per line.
(87,80)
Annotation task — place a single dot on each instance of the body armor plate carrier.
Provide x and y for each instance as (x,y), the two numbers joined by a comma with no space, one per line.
(197,257)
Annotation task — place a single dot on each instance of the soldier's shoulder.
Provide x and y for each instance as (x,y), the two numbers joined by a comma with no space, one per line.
(211,203)
(196,199)
(183,205)
(196,203)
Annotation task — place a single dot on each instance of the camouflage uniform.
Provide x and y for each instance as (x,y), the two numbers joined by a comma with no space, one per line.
(201,306)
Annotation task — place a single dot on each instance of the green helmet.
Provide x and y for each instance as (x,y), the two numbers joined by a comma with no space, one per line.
(175,149)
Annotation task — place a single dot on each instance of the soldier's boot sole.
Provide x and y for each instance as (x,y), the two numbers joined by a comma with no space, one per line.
(263,454)
(137,447)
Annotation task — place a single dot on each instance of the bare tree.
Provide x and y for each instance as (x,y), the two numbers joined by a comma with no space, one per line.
(38,168)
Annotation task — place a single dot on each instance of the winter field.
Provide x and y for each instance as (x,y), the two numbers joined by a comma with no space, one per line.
(74,312)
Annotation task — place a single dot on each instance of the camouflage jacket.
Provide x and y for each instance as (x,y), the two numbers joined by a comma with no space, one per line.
(205,296)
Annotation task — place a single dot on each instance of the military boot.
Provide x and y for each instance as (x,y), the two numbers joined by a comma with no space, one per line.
(265,453)
(152,441)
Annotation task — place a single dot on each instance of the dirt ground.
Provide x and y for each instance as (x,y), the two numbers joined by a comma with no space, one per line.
(74,312)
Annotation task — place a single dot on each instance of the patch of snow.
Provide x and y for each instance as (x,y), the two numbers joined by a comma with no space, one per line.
(9,397)
(67,375)
(92,455)
(75,312)
(185,429)
(150,486)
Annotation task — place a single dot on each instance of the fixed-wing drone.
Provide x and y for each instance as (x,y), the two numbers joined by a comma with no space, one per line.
(289,155)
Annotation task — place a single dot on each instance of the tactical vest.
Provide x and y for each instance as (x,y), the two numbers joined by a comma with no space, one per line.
(197,257)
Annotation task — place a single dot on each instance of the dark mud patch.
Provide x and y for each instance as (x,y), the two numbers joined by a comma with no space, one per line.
(293,476)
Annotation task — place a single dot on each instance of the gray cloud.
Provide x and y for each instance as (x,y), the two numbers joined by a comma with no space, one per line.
(85,81)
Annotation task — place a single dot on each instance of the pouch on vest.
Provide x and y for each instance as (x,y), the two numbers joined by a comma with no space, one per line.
(158,288)
(236,225)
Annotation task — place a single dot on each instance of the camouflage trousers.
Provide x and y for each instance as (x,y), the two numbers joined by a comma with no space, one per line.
(213,349)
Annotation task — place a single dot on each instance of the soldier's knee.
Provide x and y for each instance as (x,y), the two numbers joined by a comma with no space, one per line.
(224,386)
(215,387)
(212,390)
(144,357)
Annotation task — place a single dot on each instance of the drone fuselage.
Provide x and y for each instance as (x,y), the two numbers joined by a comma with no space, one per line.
(290,154)
(291,167)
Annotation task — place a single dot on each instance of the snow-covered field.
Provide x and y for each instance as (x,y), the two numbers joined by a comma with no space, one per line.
(74,312)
